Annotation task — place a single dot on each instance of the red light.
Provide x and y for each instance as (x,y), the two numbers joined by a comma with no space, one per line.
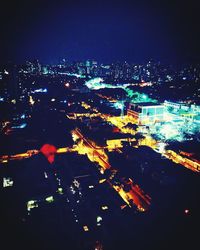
(49,152)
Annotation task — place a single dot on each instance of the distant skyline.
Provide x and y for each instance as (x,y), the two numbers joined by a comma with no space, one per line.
(105,31)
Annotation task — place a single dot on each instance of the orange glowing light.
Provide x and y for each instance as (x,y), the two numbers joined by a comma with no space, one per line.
(102,181)
(85,228)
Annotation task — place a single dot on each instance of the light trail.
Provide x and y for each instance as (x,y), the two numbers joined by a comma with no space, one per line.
(101,156)
(30,153)
(134,196)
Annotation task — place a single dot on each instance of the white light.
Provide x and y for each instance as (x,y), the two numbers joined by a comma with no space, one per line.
(101,171)
(7,182)
(104,207)
(162,146)
(99,218)
(76,183)
(31,204)
(67,84)
(39,90)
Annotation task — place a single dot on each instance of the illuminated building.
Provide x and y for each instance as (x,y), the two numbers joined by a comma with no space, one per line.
(146,113)
(176,106)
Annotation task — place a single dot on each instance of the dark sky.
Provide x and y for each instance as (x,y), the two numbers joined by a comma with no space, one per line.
(102,30)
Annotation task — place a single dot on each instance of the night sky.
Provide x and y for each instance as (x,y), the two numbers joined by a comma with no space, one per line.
(101,30)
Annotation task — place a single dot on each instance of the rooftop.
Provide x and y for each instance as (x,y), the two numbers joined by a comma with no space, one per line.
(146,104)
